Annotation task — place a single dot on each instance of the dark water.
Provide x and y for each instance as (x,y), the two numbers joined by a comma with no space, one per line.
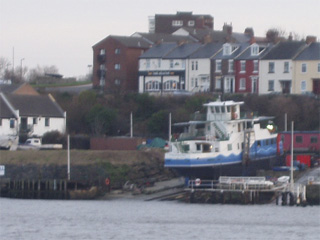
(137,219)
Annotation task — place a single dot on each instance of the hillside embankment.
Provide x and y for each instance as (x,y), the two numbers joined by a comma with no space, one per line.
(90,167)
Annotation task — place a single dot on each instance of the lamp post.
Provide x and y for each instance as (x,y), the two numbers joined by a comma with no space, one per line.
(21,66)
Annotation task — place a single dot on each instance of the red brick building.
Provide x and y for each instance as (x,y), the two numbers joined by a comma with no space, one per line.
(169,23)
(115,63)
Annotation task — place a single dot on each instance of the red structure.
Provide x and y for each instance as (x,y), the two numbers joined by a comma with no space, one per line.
(303,141)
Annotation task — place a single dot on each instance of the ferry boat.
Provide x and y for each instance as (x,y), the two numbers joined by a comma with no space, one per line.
(223,142)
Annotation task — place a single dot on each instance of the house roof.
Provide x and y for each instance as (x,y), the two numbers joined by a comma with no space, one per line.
(246,54)
(30,105)
(159,50)
(240,47)
(9,88)
(183,51)
(284,50)
(5,110)
(154,38)
(133,42)
(312,52)
(207,50)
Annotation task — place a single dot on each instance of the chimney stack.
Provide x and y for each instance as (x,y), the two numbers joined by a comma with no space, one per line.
(311,39)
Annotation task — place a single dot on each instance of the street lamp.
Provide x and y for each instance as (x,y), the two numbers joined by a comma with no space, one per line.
(21,67)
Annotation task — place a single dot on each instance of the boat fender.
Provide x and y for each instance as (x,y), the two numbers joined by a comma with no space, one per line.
(198,182)
(107,181)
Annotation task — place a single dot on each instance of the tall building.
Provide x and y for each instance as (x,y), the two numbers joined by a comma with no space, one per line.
(169,23)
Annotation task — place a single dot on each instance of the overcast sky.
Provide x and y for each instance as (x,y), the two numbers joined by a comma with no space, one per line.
(62,32)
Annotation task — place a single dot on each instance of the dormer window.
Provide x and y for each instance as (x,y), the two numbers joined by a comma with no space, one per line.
(226,49)
(177,23)
(254,49)
(191,23)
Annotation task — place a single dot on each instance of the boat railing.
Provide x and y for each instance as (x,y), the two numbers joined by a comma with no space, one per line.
(232,183)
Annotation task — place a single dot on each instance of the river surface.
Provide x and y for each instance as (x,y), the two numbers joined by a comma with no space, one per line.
(137,219)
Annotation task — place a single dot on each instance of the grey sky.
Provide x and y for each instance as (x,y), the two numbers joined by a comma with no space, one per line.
(62,32)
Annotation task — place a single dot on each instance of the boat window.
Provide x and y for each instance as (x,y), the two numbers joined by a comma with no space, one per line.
(228,109)
(239,127)
(229,147)
(198,147)
(299,139)
(223,109)
(186,148)
(212,109)
(206,148)
(267,142)
(217,109)
(259,143)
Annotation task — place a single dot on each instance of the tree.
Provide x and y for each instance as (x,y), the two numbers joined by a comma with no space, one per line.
(101,119)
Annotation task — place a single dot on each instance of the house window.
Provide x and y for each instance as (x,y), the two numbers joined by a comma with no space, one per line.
(170,85)
(47,122)
(159,63)
(230,65)
(177,23)
(255,65)
(299,139)
(12,123)
(171,63)
(117,51)
(148,63)
(192,65)
(271,67)
(303,67)
(218,65)
(313,139)
(226,49)
(102,51)
(196,65)
(152,85)
(286,67)
(271,85)
(242,84)
(218,83)
(243,66)
(191,23)
(117,82)
(117,66)
(303,86)
(254,50)
(35,121)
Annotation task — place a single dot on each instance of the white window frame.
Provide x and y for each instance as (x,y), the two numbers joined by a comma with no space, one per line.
(319,67)
(303,86)
(230,65)
(243,66)
(117,66)
(271,67)
(218,65)
(227,49)
(254,50)
(218,83)
(170,85)
(117,51)
(191,23)
(303,68)
(270,83)
(177,23)
(242,84)
(171,64)
(147,63)
(286,67)
(255,66)
(152,85)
